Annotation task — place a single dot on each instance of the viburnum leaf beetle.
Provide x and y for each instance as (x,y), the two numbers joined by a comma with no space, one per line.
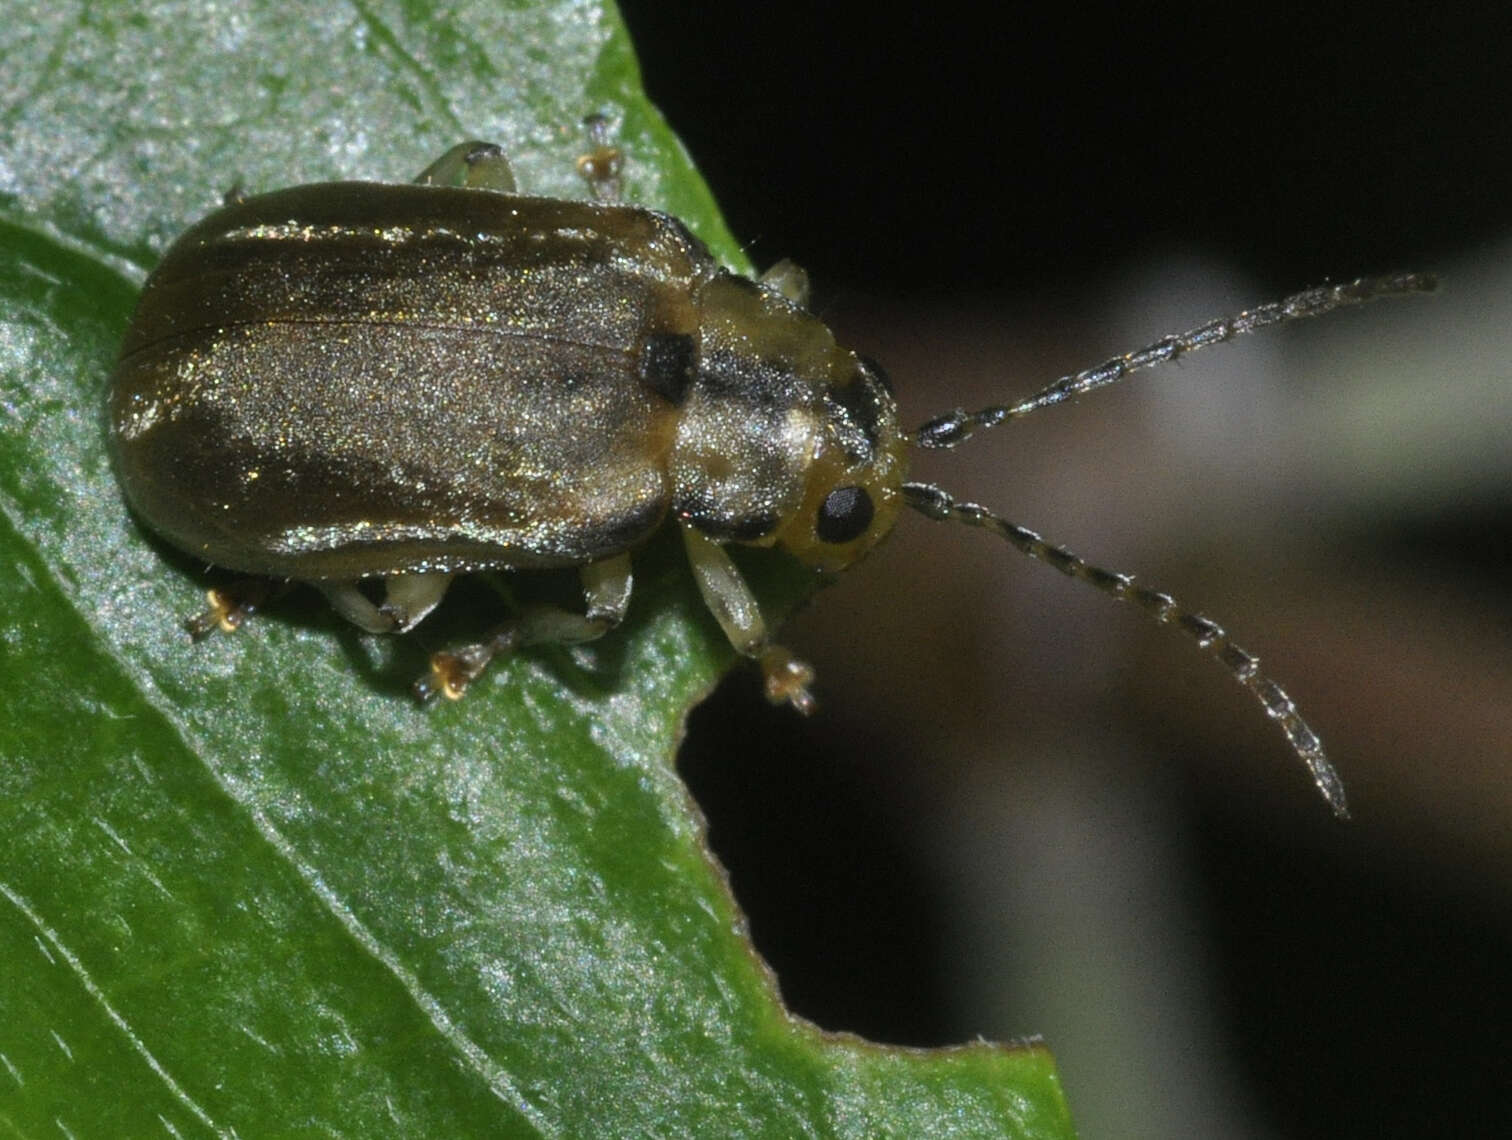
(407,382)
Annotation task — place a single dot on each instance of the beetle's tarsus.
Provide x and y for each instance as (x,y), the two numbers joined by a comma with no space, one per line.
(228,608)
(600,167)
(791,281)
(451,673)
(787,679)
(222,614)
(453,670)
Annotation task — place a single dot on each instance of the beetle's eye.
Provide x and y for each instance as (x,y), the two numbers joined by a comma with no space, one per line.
(845,515)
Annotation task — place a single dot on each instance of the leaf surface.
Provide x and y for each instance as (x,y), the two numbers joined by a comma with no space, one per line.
(249,887)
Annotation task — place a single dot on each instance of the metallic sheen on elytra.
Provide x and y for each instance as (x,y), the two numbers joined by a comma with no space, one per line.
(354,379)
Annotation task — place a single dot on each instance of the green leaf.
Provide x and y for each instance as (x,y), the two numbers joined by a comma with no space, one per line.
(248,887)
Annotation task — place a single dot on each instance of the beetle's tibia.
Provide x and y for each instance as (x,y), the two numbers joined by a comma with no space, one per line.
(958,426)
(787,679)
(1210,637)
(408,599)
(735,608)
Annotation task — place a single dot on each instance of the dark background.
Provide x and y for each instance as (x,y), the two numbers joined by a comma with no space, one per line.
(1022,165)
(911,153)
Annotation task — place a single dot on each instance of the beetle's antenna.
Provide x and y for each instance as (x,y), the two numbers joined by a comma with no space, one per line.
(1210,637)
(958,426)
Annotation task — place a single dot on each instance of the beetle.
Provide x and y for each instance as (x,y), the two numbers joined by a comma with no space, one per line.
(345,382)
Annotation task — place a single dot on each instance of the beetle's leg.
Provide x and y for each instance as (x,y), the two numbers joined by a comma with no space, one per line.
(600,166)
(407,599)
(735,608)
(606,588)
(352,604)
(791,280)
(475,165)
(231,605)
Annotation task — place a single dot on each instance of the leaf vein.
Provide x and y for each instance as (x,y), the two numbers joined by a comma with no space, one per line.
(385,35)
(477,1058)
(92,988)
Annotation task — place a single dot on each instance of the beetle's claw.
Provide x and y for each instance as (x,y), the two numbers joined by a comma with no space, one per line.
(221,614)
(787,679)
(227,610)
(449,676)
(451,673)
(442,680)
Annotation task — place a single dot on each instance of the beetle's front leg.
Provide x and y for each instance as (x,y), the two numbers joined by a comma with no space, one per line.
(474,165)
(606,589)
(735,608)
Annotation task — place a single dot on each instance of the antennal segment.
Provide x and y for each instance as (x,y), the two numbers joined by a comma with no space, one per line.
(1210,637)
(958,426)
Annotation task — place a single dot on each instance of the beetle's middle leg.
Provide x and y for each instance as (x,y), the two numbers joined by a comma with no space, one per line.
(606,589)
(407,600)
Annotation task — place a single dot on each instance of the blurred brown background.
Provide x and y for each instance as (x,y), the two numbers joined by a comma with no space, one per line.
(1022,809)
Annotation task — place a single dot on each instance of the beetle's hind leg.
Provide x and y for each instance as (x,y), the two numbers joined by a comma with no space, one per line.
(606,589)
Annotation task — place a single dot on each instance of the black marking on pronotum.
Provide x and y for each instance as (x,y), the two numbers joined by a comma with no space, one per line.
(669,365)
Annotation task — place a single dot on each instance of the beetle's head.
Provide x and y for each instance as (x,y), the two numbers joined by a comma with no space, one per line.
(785,438)
(853,491)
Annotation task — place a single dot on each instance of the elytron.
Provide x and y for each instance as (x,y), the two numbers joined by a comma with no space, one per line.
(401,383)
